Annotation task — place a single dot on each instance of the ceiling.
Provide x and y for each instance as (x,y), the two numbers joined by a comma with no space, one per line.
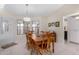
(32,9)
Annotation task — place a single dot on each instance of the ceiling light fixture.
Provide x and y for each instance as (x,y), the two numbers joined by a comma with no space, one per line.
(26,19)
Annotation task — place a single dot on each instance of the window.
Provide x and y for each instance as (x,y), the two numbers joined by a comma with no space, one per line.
(35,27)
(20,26)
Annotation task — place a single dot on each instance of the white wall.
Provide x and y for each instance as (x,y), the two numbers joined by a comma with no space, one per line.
(59,30)
(43,22)
(9,36)
(73,29)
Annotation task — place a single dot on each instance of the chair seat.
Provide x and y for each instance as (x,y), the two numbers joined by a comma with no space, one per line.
(41,50)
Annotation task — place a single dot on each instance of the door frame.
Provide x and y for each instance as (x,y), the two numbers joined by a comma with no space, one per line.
(65,17)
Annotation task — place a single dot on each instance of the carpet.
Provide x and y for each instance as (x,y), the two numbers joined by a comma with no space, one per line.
(8,45)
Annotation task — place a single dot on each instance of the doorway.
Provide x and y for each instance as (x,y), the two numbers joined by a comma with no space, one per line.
(65,23)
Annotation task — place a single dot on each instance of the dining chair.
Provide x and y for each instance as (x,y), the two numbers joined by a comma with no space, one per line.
(45,46)
(31,44)
(53,34)
(41,49)
(52,40)
(29,34)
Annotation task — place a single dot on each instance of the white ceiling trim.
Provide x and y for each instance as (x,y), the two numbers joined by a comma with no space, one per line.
(32,9)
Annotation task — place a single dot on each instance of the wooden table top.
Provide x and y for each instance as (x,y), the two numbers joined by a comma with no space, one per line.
(37,38)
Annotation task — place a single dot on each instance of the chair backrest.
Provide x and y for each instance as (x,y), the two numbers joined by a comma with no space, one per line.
(44,42)
(50,39)
(31,40)
(29,34)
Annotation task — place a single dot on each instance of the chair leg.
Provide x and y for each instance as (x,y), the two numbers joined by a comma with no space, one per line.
(27,45)
(31,52)
(53,50)
(53,46)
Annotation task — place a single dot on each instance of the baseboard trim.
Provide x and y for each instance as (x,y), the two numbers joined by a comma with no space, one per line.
(74,42)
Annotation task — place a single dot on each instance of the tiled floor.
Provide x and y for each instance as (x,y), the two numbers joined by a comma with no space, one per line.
(60,48)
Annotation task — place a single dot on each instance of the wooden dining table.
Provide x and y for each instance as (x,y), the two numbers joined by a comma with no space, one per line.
(39,39)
